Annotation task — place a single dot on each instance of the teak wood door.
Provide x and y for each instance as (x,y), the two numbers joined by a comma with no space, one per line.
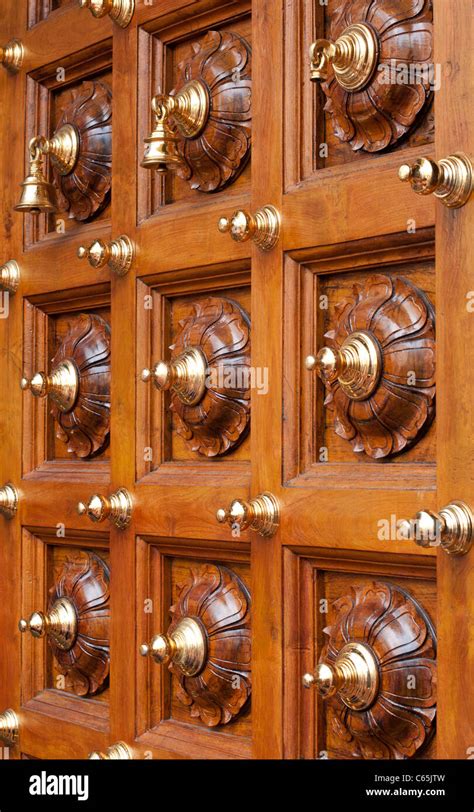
(358,252)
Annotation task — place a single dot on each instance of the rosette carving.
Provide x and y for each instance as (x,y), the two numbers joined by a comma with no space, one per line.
(399,319)
(399,635)
(85,427)
(379,114)
(222,61)
(84,581)
(219,600)
(85,191)
(220,420)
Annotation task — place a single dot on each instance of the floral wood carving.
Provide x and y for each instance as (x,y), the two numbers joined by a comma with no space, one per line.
(223,61)
(401,319)
(220,600)
(397,630)
(85,428)
(377,116)
(85,191)
(220,421)
(84,580)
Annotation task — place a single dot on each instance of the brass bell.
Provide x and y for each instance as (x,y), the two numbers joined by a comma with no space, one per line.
(161,151)
(38,195)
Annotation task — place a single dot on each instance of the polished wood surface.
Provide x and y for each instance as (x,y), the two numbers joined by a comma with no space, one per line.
(346,219)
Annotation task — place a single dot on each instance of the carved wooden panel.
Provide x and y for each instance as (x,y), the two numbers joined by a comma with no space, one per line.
(222,60)
(85,191)
(221,419)
(400,634)
(84,579)
(221,601)
(382,112)
(402,320)
(85,428)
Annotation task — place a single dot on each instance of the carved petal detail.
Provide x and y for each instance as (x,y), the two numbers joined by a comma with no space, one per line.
(400,634)
(377,116)
(222,60)
(85,428)
(85,581)
(218,597)
(220,421)
(402,319)
(86,190)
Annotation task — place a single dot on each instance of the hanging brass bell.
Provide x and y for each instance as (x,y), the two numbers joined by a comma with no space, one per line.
(38,195)
(161,150)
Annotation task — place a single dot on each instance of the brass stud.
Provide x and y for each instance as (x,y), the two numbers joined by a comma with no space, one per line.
(452,528)
(117,507)
(263,227)
(118,254)
(451,179)
(261,514)
(9,498)
(186,375)
(357,365)
(59,624)
(62,385)
(354,676)
(118,751)
(120,11)
(10,276)
(353,57)
(186,647)
(11,55)
(9,727)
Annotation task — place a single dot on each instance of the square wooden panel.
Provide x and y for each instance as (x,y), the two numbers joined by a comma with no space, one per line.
(313,452)
(41,9)
(165,718)
(162,303)
(311,140)
(162,46)
(49,91)
(47,318)
(44,688)
(314,585)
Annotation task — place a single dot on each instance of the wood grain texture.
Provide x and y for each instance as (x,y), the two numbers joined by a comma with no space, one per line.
(382,112)
(221,419)
(85,428)
(220,600)
(85,191)
(222,61)
(401,319)
(84,580)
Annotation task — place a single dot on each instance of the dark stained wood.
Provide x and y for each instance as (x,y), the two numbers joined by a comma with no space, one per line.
(85,428)
(401,319)
(220,421)
(84,580)
(85,191)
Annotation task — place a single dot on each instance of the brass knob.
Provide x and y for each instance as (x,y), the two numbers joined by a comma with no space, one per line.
(117,507)
(10,276)
(452,528)
(11,55)
(9,500)
(119,751)
(9,726)
(185,647)
(120,11)
(118,254)
(450,179)
(263,227)
(186,374)
(353,57)
(357,365)
(354,675)
(189,109)
(62,385)
(63,148)
(261,514)
(60,624)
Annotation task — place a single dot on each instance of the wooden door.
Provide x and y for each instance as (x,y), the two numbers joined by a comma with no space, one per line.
(161,628)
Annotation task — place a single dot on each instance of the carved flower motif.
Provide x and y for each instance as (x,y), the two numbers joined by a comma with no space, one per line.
(223,61)
(86,190)
(217,596)
(220,421)
(85,428)
(377,116)
(402,320)
(401,720)
(85,581)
